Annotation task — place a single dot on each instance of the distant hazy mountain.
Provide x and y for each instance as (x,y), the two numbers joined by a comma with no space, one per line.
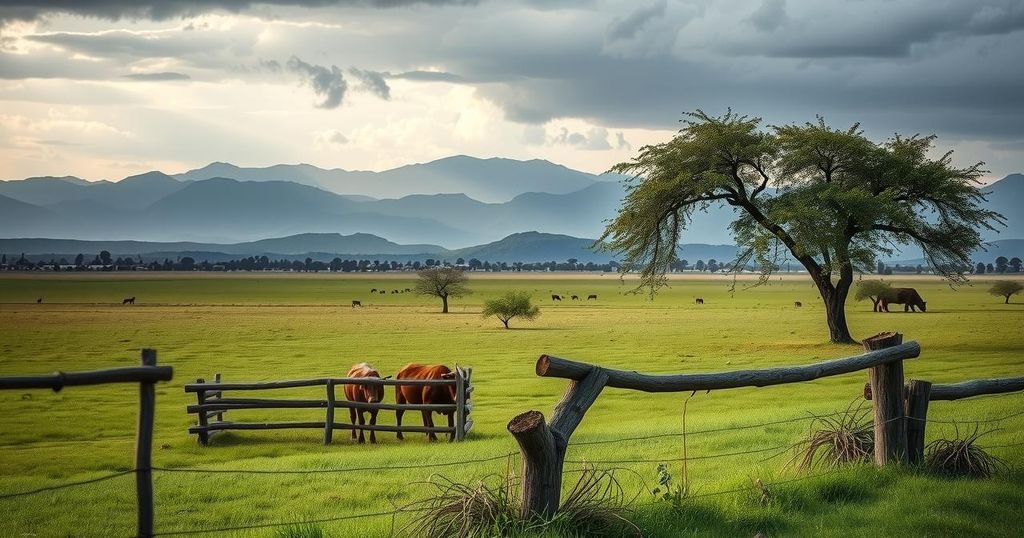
(1007,197)
(488,180)
(132,193)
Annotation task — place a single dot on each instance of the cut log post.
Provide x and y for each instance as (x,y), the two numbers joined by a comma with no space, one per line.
(887,401)
(329,419)
(542,469)
(216,379)
(918,395)
(144,450)
(203,436)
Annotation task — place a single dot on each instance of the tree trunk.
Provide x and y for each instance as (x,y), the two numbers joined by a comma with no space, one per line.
(444,301)
(505,321)
(1007,300)
(834,297)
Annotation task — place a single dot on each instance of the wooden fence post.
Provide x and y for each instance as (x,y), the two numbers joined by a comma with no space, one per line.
(216,379)
(203,436)
(144,450)
(460,404)
(542,468)
(887,401)
(918,395)
(329,419)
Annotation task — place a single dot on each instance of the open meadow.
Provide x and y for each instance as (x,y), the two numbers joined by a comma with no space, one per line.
(252,327)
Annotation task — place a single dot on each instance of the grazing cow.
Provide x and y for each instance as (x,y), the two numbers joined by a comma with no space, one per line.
(575,297)
(130,300)
(364,394)
(556,297)
(39,300)
(797,304)
(382,292)
(591,296)
(700,300)
(357,303)
(408,289)
(374,290)
(908,297)
(429,394)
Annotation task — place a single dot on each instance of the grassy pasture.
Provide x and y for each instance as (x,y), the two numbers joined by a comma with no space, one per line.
(264,327)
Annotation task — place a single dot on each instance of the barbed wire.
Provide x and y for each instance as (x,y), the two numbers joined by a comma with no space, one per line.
(332,470)
(66,485)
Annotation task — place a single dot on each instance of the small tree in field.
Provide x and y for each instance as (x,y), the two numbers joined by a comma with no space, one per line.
(442,282)
(514,304)
(876,290)
(1006,289)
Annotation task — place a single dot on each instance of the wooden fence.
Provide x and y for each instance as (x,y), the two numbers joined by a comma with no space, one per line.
(543,446)
(211,403)
(146,375)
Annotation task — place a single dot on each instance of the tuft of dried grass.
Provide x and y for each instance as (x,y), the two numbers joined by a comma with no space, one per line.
(840,439)
(596,506)
(962,456)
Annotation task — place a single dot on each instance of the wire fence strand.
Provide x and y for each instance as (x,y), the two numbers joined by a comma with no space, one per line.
(66,485)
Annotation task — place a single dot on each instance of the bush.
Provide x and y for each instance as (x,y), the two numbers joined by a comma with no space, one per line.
(848,437)
(514,304)
(876,290)
(961,457)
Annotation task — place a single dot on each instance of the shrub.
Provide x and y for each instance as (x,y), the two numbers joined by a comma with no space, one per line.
(514,304)
(961,457)
(847,437)
(876,290)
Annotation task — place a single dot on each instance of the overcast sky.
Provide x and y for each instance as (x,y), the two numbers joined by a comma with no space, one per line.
(104,89)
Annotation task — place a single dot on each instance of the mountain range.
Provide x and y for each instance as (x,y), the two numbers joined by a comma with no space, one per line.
(464,202)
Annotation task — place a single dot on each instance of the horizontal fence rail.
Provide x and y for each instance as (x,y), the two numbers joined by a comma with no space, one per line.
(212,404)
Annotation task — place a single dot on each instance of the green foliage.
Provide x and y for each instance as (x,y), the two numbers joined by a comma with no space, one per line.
(303,530)
(514,304)
(442,282)
(667,491)
(1006,289)
(838,200)
(874,290)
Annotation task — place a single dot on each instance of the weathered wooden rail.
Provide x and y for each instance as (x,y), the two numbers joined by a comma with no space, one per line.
(146,376)
(918,393)
(543,446)
(212,403)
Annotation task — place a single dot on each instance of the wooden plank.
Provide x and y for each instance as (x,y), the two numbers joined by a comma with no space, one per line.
(329,419)
(460,404)
(218,426)
(203,438)
(264,385)
(254,403)
(144,450)
(59,380)
(976,387)
(549,366)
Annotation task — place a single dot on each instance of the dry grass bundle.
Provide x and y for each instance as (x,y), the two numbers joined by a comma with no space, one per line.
(596,506)
(961,457)
(840,439)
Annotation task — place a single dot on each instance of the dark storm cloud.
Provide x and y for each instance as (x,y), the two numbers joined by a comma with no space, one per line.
(327,82)
(167,9)
(769,16)
(627,27)
(372,81)
(157,77)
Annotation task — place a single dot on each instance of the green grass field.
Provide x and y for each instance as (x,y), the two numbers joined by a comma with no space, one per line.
(267,327)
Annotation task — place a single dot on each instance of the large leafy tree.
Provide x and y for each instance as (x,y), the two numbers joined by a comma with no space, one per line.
(830,198)
(442,282)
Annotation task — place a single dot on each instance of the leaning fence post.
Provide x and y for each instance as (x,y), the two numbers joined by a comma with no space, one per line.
(918,394)
(144,449)
(542,468)
(329,419)
(886,382)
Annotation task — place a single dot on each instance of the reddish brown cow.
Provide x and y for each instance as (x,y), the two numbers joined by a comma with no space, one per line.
(364,394)
(429,394)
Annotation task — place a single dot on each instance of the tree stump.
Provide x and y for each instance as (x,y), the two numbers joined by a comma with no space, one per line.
(542,468)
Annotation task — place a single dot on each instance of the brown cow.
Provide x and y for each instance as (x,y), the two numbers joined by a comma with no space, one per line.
(699,300)
(363,394)
(908,297)
(591,296)
(129,300)
(797,304)
(428,394)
